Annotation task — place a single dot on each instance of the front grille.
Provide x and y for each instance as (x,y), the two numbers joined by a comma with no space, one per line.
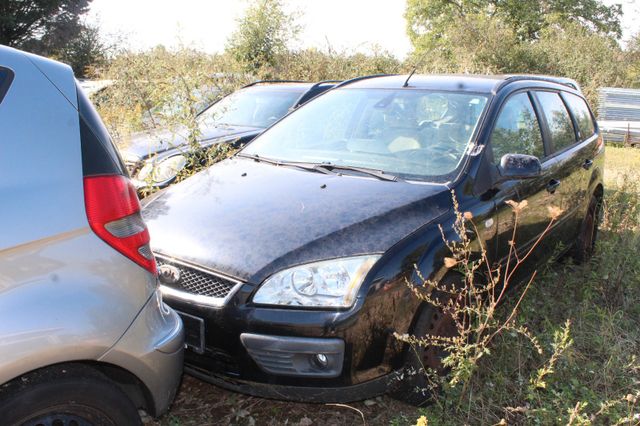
(197,281)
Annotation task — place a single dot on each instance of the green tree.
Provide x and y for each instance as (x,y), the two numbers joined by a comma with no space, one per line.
(632,56)
(429,22)
(576,38)
(263,33)
(52,28)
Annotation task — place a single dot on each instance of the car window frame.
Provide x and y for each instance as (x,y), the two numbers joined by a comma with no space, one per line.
(576,127)
(537,112)
(5,83)
(547,131)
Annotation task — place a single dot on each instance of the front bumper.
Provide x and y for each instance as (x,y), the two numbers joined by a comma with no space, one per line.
(152,349)
(317,394)
(273,352)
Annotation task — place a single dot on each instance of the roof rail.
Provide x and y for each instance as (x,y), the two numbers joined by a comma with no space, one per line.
(315,86)
(272,81)
(320,83)
(364,77)
(558,80)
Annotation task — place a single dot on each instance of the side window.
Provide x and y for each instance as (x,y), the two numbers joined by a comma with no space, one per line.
(558,120)
(581,113)
(517,130)
(6,76)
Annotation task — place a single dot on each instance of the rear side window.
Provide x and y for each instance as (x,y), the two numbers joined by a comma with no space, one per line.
(558,120)
(581,113)
(6,77)
(517,130)
(99,155)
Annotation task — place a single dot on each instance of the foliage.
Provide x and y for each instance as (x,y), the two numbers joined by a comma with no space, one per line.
(592,59)
(165,89)
(592,375)
(24,21)
(162,89)
(262,35)
(632,53)
(488,45)
(430,22)
(316,65)
(473,304)
(83,53)
(52,28)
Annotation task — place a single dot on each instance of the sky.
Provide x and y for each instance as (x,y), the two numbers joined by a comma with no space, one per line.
(354,25)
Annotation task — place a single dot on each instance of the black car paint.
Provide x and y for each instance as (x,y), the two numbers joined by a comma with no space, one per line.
(384,303)
(319,217)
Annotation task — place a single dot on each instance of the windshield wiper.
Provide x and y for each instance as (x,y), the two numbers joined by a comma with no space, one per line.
(304,166)
(364,170)
(326,168)
(258,158)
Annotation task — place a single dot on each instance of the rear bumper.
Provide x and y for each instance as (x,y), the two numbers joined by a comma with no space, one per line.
(153,349)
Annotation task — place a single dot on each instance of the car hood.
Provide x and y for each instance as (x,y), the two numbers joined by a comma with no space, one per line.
(249,220)
(145,144)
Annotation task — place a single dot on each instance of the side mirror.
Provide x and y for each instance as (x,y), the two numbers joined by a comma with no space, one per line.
(519,166)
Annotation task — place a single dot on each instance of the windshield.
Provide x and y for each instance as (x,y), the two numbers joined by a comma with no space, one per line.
(252,107)
(413,134)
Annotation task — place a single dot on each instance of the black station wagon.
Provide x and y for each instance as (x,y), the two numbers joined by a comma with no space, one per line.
(289,262)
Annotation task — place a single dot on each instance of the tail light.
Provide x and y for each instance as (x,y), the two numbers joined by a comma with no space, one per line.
(113,211)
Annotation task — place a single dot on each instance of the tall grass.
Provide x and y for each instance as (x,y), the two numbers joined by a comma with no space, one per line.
(591,371)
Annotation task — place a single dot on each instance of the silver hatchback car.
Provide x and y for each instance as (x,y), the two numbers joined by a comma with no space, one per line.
(84,335)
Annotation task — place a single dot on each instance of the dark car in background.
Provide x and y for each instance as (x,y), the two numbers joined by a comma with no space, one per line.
(289,262)
(154,160)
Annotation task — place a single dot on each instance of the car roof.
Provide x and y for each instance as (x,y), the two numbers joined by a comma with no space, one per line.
(452,82)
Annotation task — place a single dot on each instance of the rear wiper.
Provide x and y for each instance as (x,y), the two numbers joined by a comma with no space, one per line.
(364,170)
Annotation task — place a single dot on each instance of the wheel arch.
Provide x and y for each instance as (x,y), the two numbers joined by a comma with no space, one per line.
(126,381)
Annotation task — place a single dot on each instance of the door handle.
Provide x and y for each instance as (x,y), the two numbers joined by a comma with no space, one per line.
(587,164)
(553,185)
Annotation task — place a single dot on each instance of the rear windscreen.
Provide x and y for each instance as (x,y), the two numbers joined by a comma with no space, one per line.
(6,77)
(99,155)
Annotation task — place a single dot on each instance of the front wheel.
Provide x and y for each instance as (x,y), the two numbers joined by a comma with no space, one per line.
(66,395)
(415,387)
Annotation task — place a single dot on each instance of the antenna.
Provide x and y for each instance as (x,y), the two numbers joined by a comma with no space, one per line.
(406,83)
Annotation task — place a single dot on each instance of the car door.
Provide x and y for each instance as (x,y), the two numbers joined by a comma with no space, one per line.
(518,130)
(585,152)
(566,161)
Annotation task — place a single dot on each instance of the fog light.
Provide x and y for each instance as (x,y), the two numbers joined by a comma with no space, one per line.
(321,361)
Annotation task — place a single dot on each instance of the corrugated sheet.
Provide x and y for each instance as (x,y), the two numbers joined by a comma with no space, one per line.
(619,115)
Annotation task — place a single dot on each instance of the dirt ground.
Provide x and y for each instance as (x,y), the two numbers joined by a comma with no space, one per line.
(200,403)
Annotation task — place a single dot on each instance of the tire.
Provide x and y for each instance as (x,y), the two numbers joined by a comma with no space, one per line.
(415,388)
(66,395)
(586,243)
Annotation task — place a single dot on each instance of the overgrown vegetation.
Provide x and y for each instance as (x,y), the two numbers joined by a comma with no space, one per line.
(583,366)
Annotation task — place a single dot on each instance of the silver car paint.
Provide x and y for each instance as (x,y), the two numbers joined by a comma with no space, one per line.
(65,295)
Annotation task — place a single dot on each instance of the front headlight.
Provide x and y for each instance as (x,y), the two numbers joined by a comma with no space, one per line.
(331,283)
(162,171)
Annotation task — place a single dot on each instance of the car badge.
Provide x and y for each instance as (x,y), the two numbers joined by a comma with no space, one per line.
(169,274)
